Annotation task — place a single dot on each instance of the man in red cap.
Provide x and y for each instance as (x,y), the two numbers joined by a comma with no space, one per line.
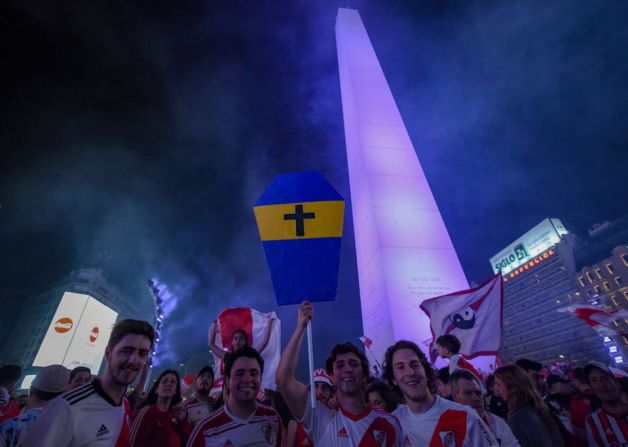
(608,425)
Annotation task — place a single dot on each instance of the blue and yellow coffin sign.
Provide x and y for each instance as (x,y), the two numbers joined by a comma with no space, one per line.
(300,218)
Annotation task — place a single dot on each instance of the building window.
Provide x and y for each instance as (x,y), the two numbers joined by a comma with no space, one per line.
(614,300)
(581,280)
(607,286)
(626,295)
(618,281)
(625,339)
(598,272)
(596,290)
(590,277)
(610,268)
(624,258)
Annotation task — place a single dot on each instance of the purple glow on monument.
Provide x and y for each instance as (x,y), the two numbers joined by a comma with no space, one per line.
(404,252)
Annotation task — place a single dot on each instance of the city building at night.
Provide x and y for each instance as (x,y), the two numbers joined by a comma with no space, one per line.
(539,271)
(31,320)
(602,279)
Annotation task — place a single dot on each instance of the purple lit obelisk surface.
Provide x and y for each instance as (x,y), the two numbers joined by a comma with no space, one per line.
(404,252)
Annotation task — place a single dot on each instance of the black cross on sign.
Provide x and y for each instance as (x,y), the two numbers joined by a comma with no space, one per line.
(299,217)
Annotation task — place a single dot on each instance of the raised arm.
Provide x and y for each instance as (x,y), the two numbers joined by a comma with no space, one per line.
(213,328)
(267,332)
(293,391)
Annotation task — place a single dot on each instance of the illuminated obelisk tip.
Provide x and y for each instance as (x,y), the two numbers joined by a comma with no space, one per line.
(404,252)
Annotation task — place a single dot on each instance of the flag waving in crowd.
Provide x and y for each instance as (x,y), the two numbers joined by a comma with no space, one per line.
(474,316)
(597,318)
(243,326)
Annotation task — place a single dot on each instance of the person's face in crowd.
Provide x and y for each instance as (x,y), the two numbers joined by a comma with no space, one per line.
(238,340)
(348,374)
(409,375)
(560,388)
(537,380)
(245,380)
(442,388)
(604,386)
(469,393)
(443,352)
(500,389)
(583,387)
(204,384)
(323,391)
(167,387)
(377,401)
(126,359)
(81,378)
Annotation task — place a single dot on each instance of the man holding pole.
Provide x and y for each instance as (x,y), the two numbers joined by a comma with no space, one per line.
(354,423)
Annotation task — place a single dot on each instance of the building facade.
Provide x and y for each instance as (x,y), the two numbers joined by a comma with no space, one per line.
(32,318)
(539,270)
(605,284)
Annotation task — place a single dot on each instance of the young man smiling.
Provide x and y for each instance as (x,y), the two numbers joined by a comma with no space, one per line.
(241,421)
(354,423)
(429,420)
(98,413)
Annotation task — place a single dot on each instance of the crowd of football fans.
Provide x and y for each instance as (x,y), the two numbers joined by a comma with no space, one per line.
(407,403)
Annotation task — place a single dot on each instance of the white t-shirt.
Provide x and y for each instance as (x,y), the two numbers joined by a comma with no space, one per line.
(262,429)
(85,416)
(500,429)
(338,428)
(446,424)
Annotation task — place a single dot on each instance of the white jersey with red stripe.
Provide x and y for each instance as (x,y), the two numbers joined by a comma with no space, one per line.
(339,428)
(446,424)
(84,416)
(606,430)
(222,429)
(457,363)
(500,429)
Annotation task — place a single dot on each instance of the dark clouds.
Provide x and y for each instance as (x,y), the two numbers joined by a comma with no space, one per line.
(137,136)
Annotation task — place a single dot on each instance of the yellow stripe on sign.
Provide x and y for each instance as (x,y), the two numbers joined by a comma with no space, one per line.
(306,220)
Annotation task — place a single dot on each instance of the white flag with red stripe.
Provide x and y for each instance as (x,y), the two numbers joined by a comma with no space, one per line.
(367,341)
(474,316)
(254,324)
(596,317)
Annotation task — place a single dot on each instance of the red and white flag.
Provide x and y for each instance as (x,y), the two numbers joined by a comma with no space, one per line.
(367,341)
(596,317)
(254,324)
(474,316)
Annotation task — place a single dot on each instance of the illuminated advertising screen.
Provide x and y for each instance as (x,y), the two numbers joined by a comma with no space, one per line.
(540,238)
(78,333)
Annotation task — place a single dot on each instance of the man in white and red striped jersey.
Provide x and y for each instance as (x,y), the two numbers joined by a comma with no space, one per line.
(354,423)
(242,421)
(428,419)
(607,426)
(98,413)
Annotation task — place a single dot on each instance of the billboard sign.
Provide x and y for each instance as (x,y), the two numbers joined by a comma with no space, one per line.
(540,238)
(78,333)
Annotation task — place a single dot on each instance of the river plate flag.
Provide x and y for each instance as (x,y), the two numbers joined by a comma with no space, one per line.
(300,217)
(598,318)
(474,316)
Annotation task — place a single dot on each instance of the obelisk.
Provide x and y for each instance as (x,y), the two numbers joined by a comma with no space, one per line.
(404,252)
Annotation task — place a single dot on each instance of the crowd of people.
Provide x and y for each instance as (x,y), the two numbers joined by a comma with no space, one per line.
(410,404)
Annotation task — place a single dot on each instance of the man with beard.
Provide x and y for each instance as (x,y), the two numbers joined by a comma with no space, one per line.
(201,403)
(607,426)
(428,419)
(98,413)
(354,423)
(242,421)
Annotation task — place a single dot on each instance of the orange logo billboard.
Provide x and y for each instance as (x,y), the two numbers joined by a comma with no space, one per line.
(63,325)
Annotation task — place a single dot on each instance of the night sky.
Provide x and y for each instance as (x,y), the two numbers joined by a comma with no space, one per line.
(136,136)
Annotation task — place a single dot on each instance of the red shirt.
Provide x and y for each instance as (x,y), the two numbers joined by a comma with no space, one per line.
(153,427)
(580,408)
(301,438)
(10,410)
